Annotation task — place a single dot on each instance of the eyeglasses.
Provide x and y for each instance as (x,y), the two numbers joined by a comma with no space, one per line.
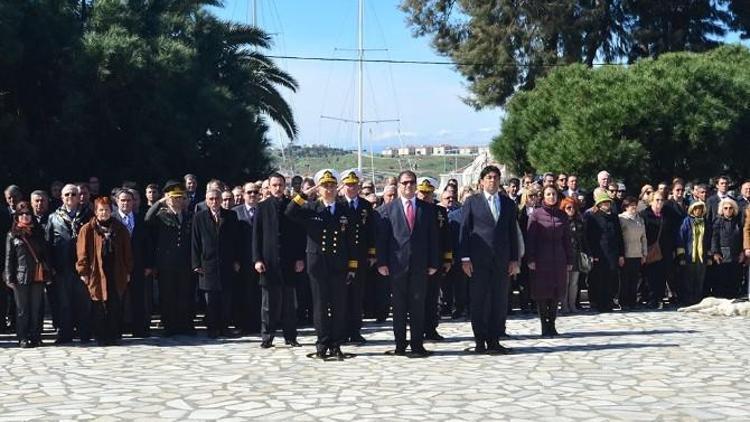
(408,182)
(251,192)
(562,179)
(67,194)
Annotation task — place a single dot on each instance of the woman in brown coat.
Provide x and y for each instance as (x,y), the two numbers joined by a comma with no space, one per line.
(105,262)
(549,256)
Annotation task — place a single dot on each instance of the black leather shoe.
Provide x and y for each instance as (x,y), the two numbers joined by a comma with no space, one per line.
(266,344)
(293,343)
(420,352)
(496,349)
(230,333)
(400,351)
(434,336)
(357,338)
(480,347)
(24,344)
(337,353)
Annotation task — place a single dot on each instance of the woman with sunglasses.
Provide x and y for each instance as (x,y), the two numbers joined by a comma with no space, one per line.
(26,272)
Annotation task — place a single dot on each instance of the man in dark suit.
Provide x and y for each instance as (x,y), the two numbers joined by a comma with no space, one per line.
(425,191)
(246,307)
(278,254)
(489,255)
(191,191)
(139,293)
(212,184)
(331,259)
(170,250)
(362,218)
(407,251)
(216,258)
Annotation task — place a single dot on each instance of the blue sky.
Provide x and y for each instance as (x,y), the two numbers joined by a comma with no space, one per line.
(426,99)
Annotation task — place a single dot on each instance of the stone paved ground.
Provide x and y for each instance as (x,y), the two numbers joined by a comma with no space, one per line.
(634,366)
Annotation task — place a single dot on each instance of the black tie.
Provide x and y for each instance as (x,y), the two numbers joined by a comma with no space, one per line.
(330,209)
(351,205)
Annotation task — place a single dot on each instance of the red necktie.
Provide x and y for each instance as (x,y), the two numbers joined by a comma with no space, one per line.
(410,215)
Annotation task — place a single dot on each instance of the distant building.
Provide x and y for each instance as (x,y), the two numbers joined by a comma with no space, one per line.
(483,150)
(443,150)
(404,151)
(423,150)
(389,152)
(468,150)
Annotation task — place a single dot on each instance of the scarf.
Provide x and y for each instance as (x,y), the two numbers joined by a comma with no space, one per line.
(74,223)
(104,229)
(699,230)
(23,229)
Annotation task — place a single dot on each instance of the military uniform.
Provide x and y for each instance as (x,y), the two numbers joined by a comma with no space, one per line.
(330,263)
(445,248)
(171,254)
(362,218)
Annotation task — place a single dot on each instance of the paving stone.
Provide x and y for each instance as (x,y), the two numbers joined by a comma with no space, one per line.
(615,366)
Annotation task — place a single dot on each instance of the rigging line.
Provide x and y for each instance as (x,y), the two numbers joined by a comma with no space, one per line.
(432,62)
(390,68)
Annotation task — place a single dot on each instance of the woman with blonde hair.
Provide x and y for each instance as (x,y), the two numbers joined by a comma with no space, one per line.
(726,249)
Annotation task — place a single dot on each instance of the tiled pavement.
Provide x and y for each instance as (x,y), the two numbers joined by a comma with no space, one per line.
(619,366)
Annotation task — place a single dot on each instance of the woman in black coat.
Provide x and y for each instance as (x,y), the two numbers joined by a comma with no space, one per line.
(661,228)
(726,249)
(25,251)
(604,238)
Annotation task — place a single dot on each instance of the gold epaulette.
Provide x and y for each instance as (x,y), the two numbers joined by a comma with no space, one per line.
(353,264)
(299,200)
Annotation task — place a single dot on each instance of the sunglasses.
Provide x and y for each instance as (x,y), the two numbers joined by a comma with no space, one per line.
(251,192)
(408,182)
(562,179)
(68,194)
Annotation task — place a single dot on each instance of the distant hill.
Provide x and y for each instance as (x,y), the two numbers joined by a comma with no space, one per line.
(308,163)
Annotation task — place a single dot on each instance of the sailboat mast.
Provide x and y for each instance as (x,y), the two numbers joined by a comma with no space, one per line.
(360,81)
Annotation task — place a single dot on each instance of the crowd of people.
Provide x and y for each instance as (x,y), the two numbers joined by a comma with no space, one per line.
(266,257)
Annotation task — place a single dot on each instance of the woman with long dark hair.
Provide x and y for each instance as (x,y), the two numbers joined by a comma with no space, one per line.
(26,271)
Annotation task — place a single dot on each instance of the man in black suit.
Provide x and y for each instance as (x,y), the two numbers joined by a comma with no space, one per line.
(407,251)
(278,254)
(139,293)
(331,259)
(191,191)
(216,258)
(212,184)
(362,218)
(246,306)
(489,255)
